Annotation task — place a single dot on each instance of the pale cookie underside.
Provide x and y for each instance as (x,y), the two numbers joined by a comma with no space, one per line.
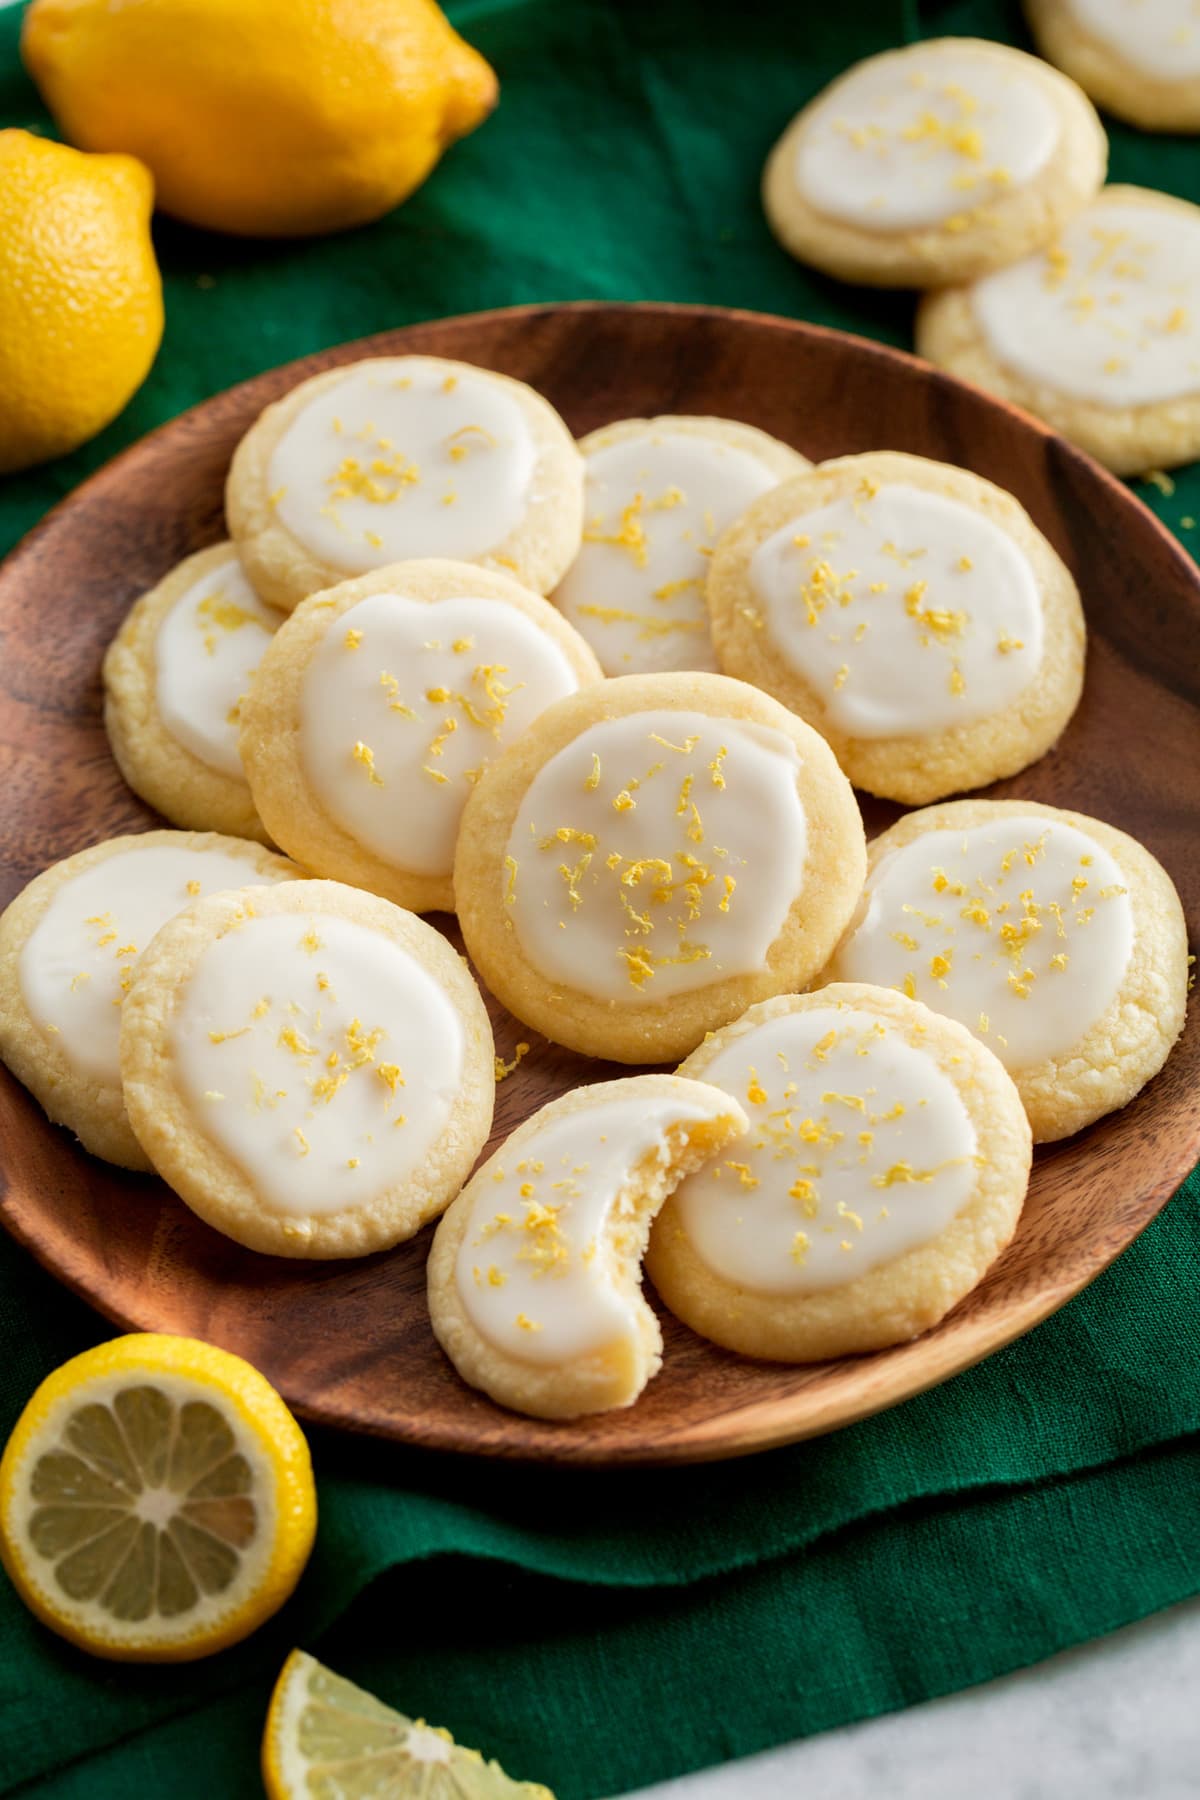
(914,769)
(1131,1040)
(899,1299)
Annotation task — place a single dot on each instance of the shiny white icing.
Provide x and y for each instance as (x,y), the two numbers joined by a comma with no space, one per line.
(1110,313)
(548,1232)
(404,703)
(405,456)
(1156,37)
(656,854)
(906,612)
(205,652)
(912,141)
(859,1149)
(1021,929)
(320,1056)
(654,507)
(77,962)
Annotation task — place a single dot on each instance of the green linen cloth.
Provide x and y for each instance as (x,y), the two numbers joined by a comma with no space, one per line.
(600,1631)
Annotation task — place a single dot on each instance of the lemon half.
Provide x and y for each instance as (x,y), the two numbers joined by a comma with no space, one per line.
(156,1500)
(325,1737)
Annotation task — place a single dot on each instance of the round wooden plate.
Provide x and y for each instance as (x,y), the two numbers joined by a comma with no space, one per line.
(349,1343)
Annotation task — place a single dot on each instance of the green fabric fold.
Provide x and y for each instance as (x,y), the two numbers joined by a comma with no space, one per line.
(602,1630)
(1037,1500)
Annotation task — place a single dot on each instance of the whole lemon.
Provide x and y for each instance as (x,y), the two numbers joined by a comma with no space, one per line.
(81,310)
(269,118)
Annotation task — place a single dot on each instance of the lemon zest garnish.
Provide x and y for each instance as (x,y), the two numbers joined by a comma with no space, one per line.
(901,1173)
(631,534)
(290,1039)
(220,614)
(380,482)
(939,622)
(504,1069)
(650,627)
(363,753)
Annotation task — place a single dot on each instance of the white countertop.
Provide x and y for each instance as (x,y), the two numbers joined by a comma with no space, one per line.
(1117,1719)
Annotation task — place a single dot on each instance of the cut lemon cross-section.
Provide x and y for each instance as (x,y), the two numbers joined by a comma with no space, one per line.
(156,1500)
(324,1736)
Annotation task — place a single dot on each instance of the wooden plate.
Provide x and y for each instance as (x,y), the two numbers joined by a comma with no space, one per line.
(349,1343)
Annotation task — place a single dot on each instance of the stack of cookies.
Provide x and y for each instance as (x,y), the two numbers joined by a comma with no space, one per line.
(606,702)
(974,171)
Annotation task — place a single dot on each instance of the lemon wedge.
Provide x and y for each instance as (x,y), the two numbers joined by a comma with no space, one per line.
(156,1500)
(324,1736)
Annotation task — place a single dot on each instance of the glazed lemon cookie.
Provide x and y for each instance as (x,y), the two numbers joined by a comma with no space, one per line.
(658,493)
(1138,58)
(69,944)
(912,612)
(1099,334)
(174,677)
(309,1067)
(651,856)
(401,457)
(378,706)
(883,1173)
(535,1273)
(1055,938)
(933,163)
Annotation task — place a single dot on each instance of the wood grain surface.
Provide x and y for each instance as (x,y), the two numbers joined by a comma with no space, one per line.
(349,1343)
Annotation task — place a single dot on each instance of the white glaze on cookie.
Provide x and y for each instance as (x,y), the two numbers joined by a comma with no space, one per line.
(1109,313)
(77,963)
(923,139)
(859,1149)
(404,703)
(656,854)
(400,459)
(654,507)
(1022,930)
(535,1268)
(205,652)
(904,611)
(320,1056)
(1157,37)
